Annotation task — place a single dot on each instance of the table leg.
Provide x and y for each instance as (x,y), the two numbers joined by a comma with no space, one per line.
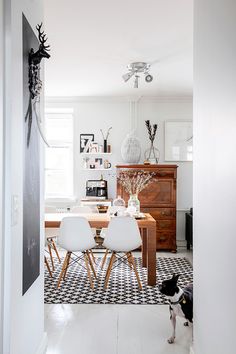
(151,255)
(144,247)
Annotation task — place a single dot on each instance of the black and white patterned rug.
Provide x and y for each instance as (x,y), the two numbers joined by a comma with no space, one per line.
(122,287)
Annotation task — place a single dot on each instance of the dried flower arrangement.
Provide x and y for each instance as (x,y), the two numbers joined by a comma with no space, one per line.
(135,181)
(152,154)
(151,130)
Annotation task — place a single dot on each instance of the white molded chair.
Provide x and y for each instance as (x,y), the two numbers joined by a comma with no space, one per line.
(75,235)
(86,210)
(111,211)
(122,236)
(51,234)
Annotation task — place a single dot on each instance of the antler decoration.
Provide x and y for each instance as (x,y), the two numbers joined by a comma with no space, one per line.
(35,84)
(42,37)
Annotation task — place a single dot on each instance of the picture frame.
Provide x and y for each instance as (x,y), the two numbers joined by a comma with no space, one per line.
(99,162)
(85,142)
(93,148)
(178,141)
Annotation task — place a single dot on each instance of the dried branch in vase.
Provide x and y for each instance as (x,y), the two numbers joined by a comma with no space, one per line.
(135,181)
(151,130)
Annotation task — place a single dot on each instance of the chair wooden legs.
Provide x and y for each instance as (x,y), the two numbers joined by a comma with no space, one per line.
(135,269)
(104,258)
(129,259)
(51,257)
(91,263)
(64,266)
(92,255)
(88,262)
(88,269)
(46,262)
(67,265)
(109,269)
(132,266)
(55,249)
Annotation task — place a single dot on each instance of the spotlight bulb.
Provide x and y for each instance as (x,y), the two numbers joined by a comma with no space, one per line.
(136,81)
(148,78)
(127,76)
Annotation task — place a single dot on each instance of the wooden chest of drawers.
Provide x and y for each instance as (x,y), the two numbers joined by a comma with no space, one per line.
(158,199)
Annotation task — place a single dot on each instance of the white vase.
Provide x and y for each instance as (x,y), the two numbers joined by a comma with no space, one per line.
(134,203)
(131,149)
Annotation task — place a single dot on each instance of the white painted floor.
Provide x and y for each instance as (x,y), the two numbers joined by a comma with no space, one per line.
(114,329)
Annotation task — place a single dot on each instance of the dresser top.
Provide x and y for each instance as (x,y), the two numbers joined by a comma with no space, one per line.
(141,166)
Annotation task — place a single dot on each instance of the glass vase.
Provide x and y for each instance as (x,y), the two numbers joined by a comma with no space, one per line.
(152,154)
(134,203)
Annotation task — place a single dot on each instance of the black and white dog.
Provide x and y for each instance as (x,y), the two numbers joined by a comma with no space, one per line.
(180,300)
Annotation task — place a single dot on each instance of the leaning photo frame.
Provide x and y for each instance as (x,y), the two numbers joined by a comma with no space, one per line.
(178,141)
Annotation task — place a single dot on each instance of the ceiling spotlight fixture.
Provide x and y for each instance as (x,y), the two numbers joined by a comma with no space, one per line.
(134,69)
(136,81)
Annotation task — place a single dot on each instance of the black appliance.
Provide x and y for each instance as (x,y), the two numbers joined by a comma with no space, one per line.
(189,228)
(96,189)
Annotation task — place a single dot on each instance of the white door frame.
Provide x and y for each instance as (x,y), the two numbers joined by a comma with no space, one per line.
(1,173)
(5,191)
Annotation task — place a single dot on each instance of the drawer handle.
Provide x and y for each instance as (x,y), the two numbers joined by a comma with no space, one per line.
(161,173)
(163,213)
(162,224)
(162,238)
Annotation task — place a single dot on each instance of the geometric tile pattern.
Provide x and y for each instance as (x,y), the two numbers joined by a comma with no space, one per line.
(122,287)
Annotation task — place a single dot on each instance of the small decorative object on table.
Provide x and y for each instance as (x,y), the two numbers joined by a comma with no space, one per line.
(152,154)
(134,182)
(119,202)
(105,138)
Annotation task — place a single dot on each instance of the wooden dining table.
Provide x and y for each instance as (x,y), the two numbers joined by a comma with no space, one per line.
(147,227)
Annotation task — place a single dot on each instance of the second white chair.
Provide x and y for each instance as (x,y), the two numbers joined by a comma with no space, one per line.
(122,236)
(84,209)
(75,235)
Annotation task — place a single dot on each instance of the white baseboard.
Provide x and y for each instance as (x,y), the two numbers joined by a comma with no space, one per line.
(191,350)
(43,344)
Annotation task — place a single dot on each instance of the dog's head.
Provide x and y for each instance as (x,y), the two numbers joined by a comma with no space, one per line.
(169,287)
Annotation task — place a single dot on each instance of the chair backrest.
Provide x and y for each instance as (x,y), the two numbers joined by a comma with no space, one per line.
(113,209)
(50,209)
(84,209)
(54,209)
(122,234)
(75,234)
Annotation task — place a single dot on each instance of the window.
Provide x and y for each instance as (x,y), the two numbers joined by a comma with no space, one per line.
(59,156)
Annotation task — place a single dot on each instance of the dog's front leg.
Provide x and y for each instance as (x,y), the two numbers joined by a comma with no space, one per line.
(173,322)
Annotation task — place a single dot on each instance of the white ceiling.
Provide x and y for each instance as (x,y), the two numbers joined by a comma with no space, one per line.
(92,42)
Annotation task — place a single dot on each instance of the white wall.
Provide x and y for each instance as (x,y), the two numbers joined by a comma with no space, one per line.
(1,171)
(214,176)
(25,313)
(93,114)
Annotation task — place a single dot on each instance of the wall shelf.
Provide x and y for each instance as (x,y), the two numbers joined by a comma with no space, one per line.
(97,169)
(95,153)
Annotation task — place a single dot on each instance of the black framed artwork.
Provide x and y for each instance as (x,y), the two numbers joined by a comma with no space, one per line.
(31,180)
(85,142)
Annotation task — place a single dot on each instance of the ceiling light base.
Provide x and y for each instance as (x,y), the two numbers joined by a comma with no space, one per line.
(138,67)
